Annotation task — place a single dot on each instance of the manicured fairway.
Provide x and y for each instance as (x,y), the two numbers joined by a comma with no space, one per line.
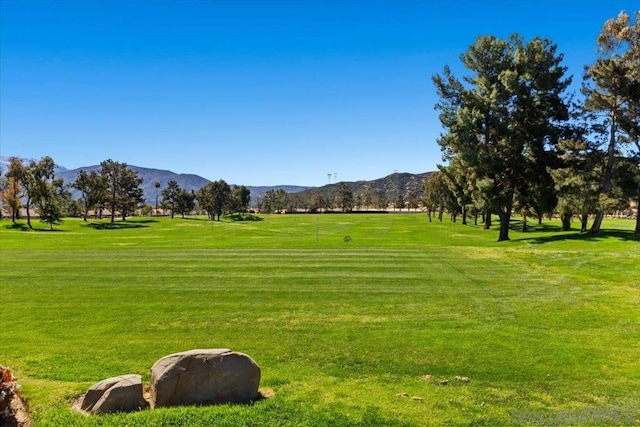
(342,313)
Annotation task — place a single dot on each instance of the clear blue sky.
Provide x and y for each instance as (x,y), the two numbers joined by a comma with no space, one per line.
(253,92)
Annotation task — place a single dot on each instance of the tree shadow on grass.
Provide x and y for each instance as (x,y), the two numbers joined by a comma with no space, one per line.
(624,235)
(516,225)
(25,227)
(120,225)
(142,221)
(16,226)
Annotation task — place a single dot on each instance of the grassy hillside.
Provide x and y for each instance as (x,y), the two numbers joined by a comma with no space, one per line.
(342,312)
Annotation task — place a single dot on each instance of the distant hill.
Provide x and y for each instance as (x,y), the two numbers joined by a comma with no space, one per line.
(186,181)
(150,177)
(392,185)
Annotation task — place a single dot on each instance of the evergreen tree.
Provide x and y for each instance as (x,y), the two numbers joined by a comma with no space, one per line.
(612,87)
(501,119)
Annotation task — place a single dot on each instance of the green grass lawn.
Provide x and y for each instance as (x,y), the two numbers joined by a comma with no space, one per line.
(341,312)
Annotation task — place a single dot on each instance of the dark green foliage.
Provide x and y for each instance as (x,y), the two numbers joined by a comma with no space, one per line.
(93,190)
(344,197)
(501,119)
(214,198)
(612,87)
(169,196)
(122,188)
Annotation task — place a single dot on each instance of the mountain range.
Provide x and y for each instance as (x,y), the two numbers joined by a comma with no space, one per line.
(392,185)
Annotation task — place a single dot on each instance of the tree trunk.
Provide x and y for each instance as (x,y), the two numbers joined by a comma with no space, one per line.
(440,212)
(475,218)
(524,224)
(429,213)
(464,215)
(505,218)
(28,205)
(566,222)
(487,220)
(606,180)
(583,223)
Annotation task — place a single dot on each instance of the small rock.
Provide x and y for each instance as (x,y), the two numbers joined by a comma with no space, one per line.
(402,395)
(444,382)
(116,394)
(427,377)
(418,398)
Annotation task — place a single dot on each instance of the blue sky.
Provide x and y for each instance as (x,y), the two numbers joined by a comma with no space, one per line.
(253,92)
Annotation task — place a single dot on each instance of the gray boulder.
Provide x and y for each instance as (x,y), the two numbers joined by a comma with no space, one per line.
(201,377)
(117,394)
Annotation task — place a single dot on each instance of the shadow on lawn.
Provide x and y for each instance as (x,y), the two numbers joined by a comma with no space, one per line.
(16,226)
(516,225)
(625,235)
(25,227)
(120,225)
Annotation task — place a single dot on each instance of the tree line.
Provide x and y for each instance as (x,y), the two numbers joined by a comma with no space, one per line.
(342,198)
(114,187)
(516,141)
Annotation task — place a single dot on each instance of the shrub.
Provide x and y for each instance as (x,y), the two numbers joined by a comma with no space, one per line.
(8,387)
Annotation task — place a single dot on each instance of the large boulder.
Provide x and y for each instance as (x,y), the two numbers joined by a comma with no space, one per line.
(117,394)
(204,377)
